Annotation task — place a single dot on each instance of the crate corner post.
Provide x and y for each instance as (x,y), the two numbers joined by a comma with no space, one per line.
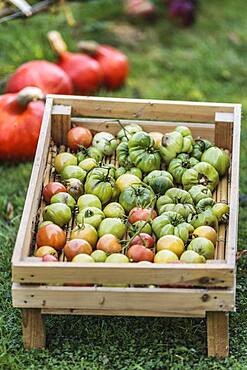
(218,334)
(33,328)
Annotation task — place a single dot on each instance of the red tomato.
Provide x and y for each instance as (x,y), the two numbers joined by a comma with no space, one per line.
(20,123)
(51,189)
(143,239)
(140,214)
(79,136)
(51,235)
(139,253)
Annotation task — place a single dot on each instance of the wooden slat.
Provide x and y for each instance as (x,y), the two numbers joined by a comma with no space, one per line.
(142,109)
(33,328)
(60,123)
(234,192)
(205,130)
(218,334)
(153,300)
(23,240)
(205,275)
(223,130)
(139,312)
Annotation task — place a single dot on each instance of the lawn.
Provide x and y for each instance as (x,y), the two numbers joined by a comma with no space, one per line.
(207,62)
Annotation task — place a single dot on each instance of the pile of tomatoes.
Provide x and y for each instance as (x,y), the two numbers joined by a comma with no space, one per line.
(154,204)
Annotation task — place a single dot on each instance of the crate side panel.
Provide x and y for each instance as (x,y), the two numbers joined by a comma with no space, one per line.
(152,300)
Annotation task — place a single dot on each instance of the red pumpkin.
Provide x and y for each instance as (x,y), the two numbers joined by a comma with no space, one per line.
(85,72)
(113,62)
(46,75)
(20,121)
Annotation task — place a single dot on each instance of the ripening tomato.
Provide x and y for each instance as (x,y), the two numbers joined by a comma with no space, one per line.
(49,258)
(109,244)
(143,239)
(52,235)
(139,253)
(141,214)
(206,232)
(76,246)
(51,189)
(79,136)
(45,250)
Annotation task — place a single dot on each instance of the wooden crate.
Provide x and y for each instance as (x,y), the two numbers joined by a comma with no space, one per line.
(192,290)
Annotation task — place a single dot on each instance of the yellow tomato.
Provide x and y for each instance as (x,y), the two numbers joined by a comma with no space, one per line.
(45,249)
(165,256)
(126,180)
(206,232)
(171,243)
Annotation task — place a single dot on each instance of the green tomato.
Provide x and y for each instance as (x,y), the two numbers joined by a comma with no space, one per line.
(90,215)
(202,173)
(65,198)
(204,204)
(114,226)
(205,218)
(100,183)
(114,209)
(180,164)
(199,147)
(172,223)
(44,223)
(105,142)
(88,164)
(127,131)
(221,211)
(89,200)
(58,213)
(99,256)
(142,152)
(199,192)
(136,196)
(120,171)
(140,226)
(90,152)
(202,246)
(218,158)
(117,258)
(176,200)
(171,145)
(64,159)
(122,153)
(160,181)
(73,172)
(115,194)
(133,171)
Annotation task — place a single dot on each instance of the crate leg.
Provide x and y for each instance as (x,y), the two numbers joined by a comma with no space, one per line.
(33,328)
(218,334)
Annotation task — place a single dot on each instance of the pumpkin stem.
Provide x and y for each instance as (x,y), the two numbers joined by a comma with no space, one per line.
(29,94)
(56,41)
(88,47)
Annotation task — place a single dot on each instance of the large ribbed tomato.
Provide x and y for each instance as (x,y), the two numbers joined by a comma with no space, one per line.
(20,121)
(50,78)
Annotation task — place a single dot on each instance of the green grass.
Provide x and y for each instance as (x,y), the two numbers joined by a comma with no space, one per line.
(206,63)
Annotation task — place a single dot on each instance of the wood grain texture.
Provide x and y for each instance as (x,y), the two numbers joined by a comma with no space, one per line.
(155,301)
(60,123)
(205,130)
(33,328)
(218,334)
(26,228)
(142,108)
(205,275)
